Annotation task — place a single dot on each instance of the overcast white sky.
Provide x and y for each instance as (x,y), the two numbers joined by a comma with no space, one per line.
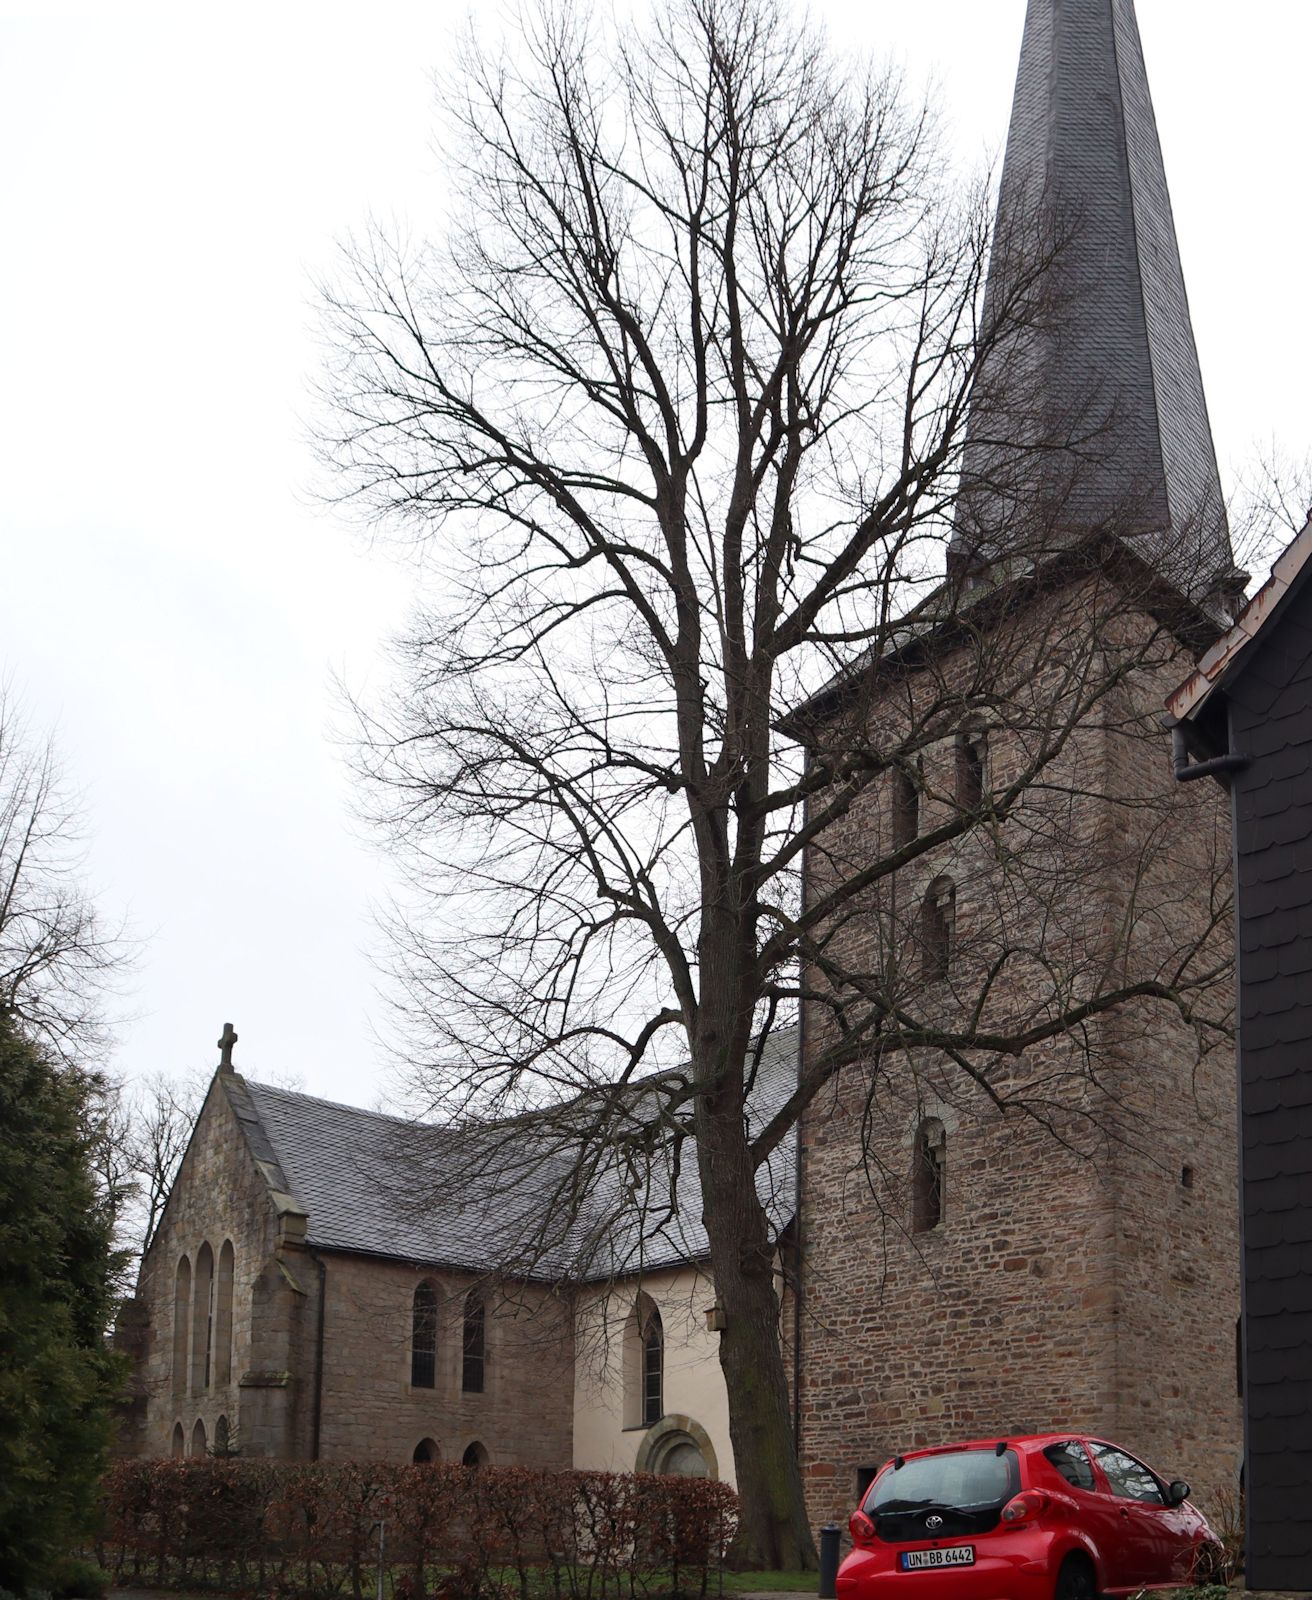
(173,180)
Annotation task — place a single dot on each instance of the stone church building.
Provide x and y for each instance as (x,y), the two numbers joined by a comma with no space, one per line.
(317,1289)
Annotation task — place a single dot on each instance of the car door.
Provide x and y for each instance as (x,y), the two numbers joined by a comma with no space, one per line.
(1151,1527)
(1098,1511)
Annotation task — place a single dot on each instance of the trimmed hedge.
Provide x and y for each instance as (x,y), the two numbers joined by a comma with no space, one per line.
(277,1528)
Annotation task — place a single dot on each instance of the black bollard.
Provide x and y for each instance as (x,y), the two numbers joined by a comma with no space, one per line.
(829,1537)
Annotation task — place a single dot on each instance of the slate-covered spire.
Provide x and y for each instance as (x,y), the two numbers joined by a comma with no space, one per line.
(1119,362)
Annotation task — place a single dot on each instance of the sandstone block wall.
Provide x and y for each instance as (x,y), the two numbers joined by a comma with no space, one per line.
(524,1417)
(1084,1272)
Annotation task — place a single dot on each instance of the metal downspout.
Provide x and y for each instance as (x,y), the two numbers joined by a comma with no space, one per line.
(316,1421)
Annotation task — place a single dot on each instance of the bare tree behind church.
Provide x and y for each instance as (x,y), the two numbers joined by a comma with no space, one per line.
(679,413)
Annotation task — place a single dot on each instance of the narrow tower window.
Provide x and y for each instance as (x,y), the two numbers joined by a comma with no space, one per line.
(938,929)
(423,1339)
(972,756)
(905,801)
(929,1176)
(475,1346)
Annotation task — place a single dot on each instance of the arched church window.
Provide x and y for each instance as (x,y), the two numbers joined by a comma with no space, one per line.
(929,1177)
(202,1320)
(905,805)
(222,1438)
(972,758)
(653,1368)
(475,1456)
(179,1447)
(181,1326)
(223,1315)
(938,929)
(475,1345)
(426,1453)
(198,1443)
(423,1338)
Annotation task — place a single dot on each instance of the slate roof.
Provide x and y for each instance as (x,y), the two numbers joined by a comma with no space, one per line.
(1083,146)
(539,1197)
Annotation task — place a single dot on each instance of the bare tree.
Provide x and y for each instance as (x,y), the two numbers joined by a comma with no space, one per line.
(58,962)
(681,408)
(142,1134)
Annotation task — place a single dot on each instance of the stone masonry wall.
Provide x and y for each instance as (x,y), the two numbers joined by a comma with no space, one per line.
(1083,1274)
(524,1417)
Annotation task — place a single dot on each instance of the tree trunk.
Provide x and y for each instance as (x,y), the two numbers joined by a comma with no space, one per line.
(774,1533)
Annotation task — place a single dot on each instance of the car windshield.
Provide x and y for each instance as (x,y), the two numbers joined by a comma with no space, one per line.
(958,1480)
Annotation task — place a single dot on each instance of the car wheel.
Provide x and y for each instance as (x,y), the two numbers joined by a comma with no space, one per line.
(1075,1580)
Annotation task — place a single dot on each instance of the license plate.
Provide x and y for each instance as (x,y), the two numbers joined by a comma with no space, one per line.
(957,1555)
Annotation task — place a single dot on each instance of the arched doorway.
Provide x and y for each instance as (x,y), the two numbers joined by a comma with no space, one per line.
(426,1452)
(198,1440)
(678,1447)
(475,1456)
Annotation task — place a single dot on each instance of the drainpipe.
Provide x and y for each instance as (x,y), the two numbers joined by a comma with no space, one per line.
(316,1423)
(1186,771)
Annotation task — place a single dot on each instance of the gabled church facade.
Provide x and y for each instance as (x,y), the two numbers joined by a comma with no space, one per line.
(328,1283)
(962,1272)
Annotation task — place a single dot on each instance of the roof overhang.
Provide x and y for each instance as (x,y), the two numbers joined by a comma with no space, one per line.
(1220,664)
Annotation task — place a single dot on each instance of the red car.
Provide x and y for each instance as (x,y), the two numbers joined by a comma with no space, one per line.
(1050,1516)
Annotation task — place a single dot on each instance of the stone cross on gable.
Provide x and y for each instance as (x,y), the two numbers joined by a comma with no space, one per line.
(227,1039)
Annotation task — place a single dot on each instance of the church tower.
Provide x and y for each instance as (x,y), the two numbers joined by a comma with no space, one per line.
(1044,1239)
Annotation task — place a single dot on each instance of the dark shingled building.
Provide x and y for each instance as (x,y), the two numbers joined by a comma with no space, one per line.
(1245,717)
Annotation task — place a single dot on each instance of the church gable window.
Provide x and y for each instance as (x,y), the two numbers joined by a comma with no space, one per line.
(938,929)
(475,1345)
(929,1176)
(181,1325)
(223,1315)
(202,1321)
(423,1338)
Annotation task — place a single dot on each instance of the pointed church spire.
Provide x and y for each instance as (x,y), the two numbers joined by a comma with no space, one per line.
(1120,357)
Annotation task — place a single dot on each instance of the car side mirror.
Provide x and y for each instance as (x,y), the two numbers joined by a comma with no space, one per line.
(1178,1492)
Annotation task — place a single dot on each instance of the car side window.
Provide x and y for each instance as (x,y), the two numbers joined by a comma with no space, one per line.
(1071,1461)
(1128,1478)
